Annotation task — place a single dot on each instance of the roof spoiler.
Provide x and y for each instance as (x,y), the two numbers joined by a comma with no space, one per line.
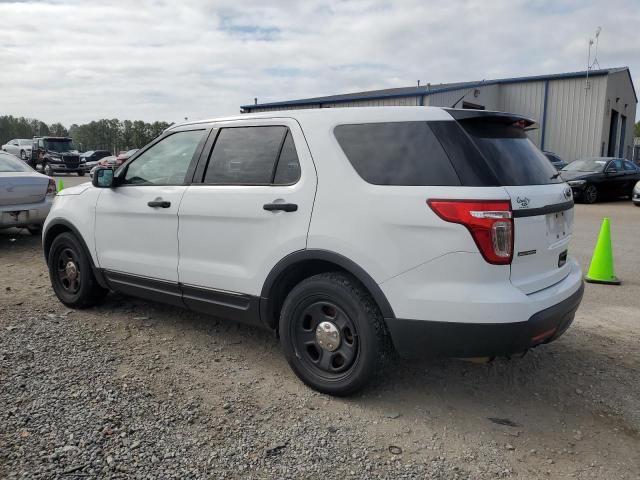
(462,114)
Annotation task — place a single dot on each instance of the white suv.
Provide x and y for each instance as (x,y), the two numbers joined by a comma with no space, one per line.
(347,231)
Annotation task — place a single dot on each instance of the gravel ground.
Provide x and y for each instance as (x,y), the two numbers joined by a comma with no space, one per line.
(132,389)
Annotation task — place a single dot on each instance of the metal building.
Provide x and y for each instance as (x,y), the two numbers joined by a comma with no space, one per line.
(580,114)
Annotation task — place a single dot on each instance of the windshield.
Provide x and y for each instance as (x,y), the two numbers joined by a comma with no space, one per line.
(594,165)
(8,163)
(59,145)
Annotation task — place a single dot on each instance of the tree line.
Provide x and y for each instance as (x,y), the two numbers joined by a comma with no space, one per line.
(106,134)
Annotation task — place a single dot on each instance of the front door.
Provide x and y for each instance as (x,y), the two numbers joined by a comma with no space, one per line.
(136,226)
(251,209)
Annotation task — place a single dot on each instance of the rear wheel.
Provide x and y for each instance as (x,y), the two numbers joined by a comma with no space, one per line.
(71,273)
(332,333)
(81,174)
(590,194)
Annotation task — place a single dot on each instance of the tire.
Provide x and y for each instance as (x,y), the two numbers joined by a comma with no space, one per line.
(82,290)
(47,170)
(81,174)
(23,156)
(340,303)
(35,230)
(590,194)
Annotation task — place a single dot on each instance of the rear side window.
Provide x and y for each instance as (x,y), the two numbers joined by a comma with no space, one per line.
(249,156)
(629,166)
(397,153)
(514,159)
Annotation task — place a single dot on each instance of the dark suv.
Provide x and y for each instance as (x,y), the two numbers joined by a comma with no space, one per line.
(56,154)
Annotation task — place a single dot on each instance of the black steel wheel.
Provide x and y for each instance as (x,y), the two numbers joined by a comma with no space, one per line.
(71,274)
(590,194)
(326,339)
(332,333)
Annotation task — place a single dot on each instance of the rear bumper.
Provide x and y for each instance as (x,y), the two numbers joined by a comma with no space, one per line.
(420,338)
(25,215)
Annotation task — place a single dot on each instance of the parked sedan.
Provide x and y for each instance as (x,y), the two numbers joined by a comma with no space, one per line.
(20,147)
(25,195)
(90,159)
(594,178)
(555,160)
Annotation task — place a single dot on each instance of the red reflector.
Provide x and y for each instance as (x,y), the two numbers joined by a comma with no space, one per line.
(489,221)
(544,335)
(51,188)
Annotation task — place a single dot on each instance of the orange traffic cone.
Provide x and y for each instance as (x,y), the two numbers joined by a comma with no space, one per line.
(601,269)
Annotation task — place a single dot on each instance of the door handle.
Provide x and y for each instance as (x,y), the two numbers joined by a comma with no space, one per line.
(159,203)
(285,207)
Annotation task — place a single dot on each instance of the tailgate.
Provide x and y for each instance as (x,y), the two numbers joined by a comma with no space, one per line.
(543,222)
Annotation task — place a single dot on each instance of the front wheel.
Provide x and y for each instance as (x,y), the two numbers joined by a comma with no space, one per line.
(590,194)
(81,174)
(23,156)
(332,333)
(71,275)
(48,171)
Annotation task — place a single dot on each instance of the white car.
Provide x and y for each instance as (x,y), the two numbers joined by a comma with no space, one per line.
(20,147)
(347,231)
(635,196)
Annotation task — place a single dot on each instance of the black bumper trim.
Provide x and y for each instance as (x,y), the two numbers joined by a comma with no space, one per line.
(428,339)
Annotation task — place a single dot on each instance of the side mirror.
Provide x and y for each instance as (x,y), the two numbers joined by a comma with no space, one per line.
(102,178)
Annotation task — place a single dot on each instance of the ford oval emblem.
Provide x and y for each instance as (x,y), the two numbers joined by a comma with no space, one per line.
(567,193)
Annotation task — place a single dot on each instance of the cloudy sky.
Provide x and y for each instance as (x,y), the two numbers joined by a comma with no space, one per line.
(75,61)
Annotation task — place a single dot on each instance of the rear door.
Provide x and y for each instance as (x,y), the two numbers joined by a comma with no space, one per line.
(542,203)
(251,208)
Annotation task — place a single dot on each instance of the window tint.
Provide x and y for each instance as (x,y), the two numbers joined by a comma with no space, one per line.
(617,164)
(399,153)
(245,156)
(165,163)
(288,169)
(510,153)
(629,166)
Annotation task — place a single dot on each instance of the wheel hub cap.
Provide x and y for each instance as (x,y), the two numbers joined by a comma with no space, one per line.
(71,271)
(328,336)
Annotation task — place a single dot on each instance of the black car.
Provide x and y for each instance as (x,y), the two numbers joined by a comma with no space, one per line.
(89,159)
(555,160)
(595,178)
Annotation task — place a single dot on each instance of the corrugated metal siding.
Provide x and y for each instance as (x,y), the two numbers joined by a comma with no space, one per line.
(487,97)
(619,86)
(382,102)
(526,99)
(574,117)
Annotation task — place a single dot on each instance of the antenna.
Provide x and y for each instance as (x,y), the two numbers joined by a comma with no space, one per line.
(595,55)
(591,65)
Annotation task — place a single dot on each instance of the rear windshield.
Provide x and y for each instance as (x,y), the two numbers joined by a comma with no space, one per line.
(514,159)
(8,163)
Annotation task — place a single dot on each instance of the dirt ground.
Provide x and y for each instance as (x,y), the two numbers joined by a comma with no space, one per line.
(570,409)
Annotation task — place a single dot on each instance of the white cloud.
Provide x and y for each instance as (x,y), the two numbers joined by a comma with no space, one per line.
(76,61)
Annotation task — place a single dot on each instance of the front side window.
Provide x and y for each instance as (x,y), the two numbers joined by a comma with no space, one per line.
(166,162)
(396,153)
(248,156)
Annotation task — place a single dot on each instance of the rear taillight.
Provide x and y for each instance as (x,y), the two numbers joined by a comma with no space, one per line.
(489,221)
(51,188)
